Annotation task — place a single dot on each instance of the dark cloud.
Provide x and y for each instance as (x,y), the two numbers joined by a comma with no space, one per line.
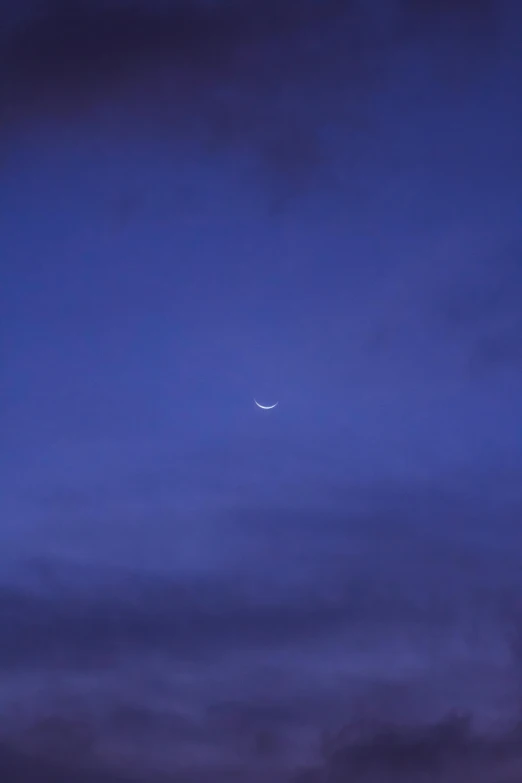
(67,51)
(260,727)
(442,751)
(263,77)
(70,54)
(80,738)
(15,765)
(387,747)
(54,736)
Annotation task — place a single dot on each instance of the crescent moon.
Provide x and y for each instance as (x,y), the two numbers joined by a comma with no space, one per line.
(266,407)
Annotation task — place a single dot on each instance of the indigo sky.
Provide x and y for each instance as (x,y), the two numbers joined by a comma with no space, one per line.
(315,202)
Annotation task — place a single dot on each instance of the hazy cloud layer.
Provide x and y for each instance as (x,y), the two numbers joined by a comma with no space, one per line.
(217,667)
(275,579)
(170,619)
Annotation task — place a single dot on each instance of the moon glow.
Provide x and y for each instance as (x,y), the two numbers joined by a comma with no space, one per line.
(266,407)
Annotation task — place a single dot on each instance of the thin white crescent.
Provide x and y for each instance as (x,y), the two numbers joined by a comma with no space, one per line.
(266,407)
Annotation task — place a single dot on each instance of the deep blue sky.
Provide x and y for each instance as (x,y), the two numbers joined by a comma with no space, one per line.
(317,203)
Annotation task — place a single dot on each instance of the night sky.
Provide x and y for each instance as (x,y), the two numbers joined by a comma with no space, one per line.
(316,203)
